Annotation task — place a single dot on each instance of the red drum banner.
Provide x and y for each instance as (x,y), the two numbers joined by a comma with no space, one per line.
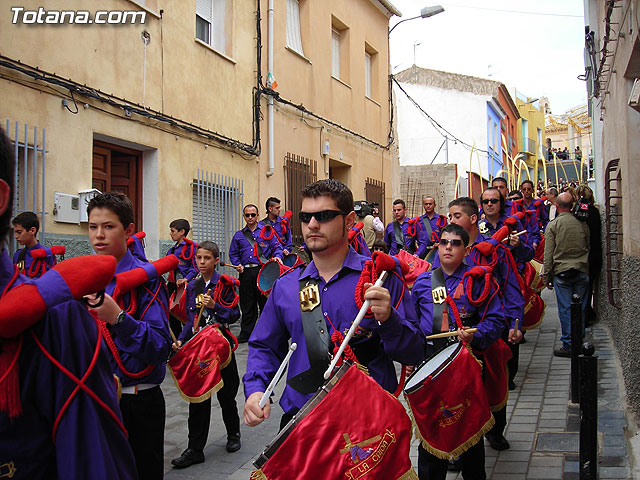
(496,374)
(197,365)
(357,431)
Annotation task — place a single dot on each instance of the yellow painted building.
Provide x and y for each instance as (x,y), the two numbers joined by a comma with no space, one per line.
(164,103)
(530,136)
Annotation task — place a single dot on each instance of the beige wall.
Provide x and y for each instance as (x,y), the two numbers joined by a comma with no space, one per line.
(196,85)
(308,81)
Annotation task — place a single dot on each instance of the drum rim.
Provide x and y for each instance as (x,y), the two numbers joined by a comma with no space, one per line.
(438,370)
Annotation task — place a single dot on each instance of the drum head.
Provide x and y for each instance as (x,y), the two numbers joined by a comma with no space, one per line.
(432,367)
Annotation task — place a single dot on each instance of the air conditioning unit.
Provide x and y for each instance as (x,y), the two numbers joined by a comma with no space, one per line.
(634,98)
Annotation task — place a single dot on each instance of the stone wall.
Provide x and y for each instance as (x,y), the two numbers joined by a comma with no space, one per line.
(418,180)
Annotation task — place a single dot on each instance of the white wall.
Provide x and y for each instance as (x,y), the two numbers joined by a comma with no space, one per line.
(461,113)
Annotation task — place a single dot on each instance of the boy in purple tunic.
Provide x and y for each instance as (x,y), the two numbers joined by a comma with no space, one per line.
(392,334)
(141,334)
(25,231)
(487,317)
(223,314)
(88,442)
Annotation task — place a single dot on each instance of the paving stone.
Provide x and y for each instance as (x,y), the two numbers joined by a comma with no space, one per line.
(511,467)
(544,472)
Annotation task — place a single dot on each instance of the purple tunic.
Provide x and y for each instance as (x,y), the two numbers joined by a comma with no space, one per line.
(489,314)
(523,252)
(145,341)
(50,259)
(220,313)
(241,251)
(277,226)
(88,443)
(400,336)
(435,223)
(187,268)
(422,241)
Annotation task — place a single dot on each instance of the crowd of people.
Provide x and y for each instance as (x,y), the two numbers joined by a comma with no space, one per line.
(64,337)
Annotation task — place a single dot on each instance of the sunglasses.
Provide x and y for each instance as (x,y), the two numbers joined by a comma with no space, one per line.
(322,216)
(250,215)
(455,242)
(491,201)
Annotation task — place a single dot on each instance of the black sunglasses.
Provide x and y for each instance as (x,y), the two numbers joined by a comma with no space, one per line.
(250,215)
(492,201)
(321,217)
(455,242)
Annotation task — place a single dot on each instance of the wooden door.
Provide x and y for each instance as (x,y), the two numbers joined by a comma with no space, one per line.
(118,169)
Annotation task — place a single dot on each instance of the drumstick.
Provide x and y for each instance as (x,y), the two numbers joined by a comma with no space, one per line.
(451,333)
(276,378)
(514,235)
(515,328)
(197,321)
(224,264)
(354,325)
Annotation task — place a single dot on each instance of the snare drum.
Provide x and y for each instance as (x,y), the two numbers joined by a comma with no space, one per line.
(449,402)
(338,434)
(268,275)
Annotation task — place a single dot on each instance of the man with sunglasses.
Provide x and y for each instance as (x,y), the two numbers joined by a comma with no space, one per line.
(494,217)
(248,251)
(397,235)
(329,284)
(487,317)
(463,211)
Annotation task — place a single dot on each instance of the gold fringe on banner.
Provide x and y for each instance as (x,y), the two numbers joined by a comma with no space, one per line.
(201,398)
(462,448)
(408,475)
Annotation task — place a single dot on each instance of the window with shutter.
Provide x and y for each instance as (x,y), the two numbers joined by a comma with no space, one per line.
(211,20)
(335,53)
(367,74)
(294,37)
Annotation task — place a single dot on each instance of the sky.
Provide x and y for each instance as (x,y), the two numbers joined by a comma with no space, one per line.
(538,53)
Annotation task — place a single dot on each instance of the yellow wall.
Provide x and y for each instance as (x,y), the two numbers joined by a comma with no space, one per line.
(308,81)
(535,121)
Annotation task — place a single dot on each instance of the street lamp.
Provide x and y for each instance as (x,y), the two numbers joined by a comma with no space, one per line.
(426,12)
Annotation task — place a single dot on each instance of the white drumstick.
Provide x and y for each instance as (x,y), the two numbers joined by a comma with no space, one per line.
(354,325)
(274,381)
(514,235)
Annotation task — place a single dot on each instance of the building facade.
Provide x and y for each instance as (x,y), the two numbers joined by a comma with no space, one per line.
(168,102)
(612,54)
(531,137)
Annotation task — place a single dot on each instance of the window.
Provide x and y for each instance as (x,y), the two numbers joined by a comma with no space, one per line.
(367,74)
(210,23)
(294,37)
(298,172)
(335,53)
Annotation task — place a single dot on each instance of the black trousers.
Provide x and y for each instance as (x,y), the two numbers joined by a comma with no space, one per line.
(501,421)
(250,300)
(200,413)
(431,467)
(144,415)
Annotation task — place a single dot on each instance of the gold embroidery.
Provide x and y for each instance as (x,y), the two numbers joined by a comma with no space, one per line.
(7,470)
(373,458)
(309,297)
(482,226)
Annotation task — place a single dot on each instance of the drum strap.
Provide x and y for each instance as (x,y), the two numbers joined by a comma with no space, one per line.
(397,230)
(252,241)
(427,227)
(316,337)
(437,280)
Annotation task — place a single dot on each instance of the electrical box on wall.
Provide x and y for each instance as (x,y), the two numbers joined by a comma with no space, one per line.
(85,197)
(325,147)
(66,208)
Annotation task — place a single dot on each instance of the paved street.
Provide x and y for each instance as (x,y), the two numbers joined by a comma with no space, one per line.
(539,406)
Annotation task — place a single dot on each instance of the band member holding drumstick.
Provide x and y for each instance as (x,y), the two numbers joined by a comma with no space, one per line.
(198,294)
(248,250)
(281,225)
(431,289)
(326,308)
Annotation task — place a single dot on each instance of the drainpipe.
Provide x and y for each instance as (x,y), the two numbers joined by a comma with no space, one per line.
(271,153)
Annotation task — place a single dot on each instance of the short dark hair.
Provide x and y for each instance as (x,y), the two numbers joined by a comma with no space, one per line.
(271,201)
(517,193)
(181,224)
(527,181)
(456,229)
(499,179)
(553,191)
(468,204)
(429,196)
(7,172)
(249,205)
(399,201)
(210,246)
(28,220)
(379,245)
(494,189)
(117,202)
(333,188)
